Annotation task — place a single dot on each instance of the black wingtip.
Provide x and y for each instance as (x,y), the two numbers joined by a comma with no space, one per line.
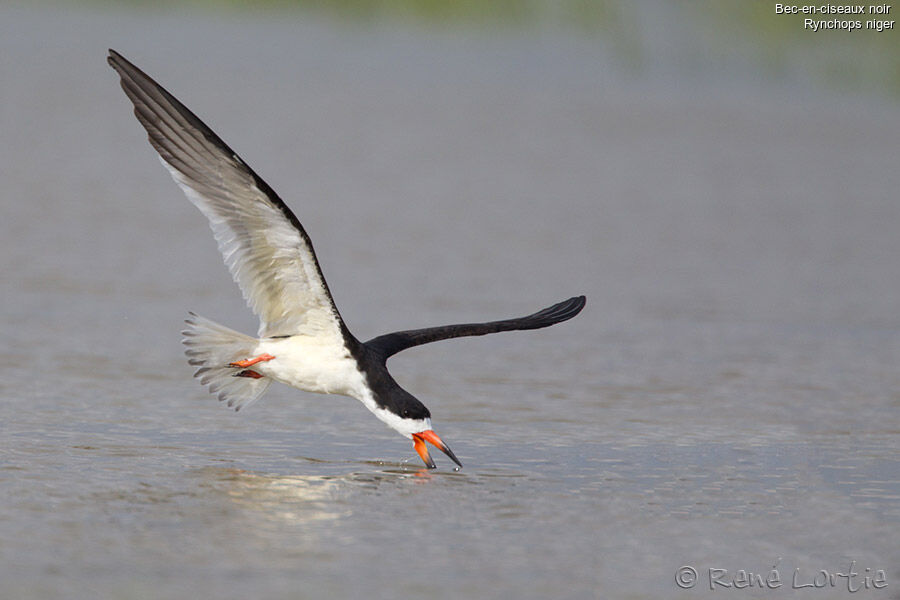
(559,312)
(113,58)
(578,303)
(571,308)
(389,344)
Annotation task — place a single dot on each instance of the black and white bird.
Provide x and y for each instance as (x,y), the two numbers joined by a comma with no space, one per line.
(302,339)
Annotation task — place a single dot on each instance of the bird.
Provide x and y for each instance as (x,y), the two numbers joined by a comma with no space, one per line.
(302,340)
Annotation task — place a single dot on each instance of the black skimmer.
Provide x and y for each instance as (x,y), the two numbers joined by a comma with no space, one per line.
(302,339)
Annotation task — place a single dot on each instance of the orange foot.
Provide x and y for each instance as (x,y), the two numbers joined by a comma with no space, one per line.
(248,373)
(251,361)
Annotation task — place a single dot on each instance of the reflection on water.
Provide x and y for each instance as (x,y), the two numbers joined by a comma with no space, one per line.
(305,502)
(300,499)
(291,499)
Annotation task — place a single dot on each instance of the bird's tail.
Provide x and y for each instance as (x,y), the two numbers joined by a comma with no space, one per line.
(211,347)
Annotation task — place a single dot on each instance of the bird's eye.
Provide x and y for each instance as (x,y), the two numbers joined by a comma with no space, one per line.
(405,413)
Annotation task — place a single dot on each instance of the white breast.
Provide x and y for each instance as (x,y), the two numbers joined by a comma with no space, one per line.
(313,364)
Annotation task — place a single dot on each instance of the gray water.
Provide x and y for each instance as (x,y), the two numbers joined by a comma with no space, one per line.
(727,400)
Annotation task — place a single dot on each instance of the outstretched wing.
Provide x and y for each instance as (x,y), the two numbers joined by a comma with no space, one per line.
(392,343)
(265,247)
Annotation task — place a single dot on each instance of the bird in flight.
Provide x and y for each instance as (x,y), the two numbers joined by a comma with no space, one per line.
(302,340)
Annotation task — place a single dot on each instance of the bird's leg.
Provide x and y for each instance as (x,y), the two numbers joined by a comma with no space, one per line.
(248,373)
(251,361)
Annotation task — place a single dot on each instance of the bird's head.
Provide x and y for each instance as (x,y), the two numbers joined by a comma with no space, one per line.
(404,413)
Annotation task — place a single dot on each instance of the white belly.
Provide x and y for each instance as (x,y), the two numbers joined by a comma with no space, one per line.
(313,365)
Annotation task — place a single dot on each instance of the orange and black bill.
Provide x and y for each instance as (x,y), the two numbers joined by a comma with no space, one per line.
(431,437)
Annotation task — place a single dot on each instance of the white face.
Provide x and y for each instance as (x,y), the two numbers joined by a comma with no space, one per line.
(405,427)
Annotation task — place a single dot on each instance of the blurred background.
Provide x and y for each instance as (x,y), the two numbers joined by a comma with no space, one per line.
(719,181)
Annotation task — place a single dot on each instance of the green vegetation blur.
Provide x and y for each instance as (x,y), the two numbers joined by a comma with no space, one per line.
(699,33)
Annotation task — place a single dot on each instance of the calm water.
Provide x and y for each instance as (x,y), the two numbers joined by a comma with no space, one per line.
(728,399)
